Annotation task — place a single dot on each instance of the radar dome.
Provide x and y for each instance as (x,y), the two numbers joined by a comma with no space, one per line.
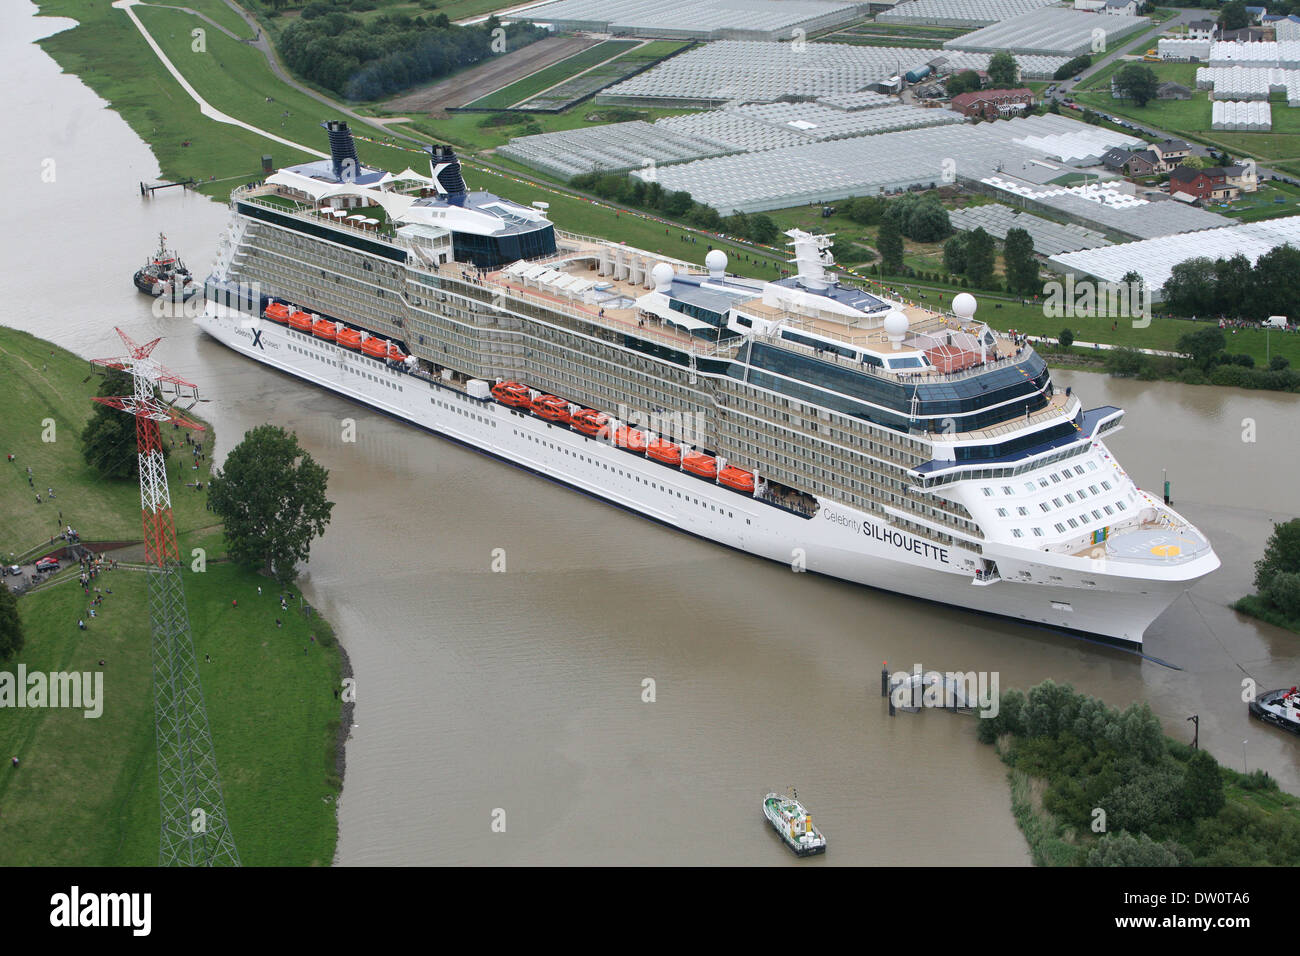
(662,276)
(716,263)
(896,325)
(963,305)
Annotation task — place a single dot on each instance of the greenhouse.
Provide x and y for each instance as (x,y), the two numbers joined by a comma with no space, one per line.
(959,13)
(1050,238)
(693,19)
(1049,31)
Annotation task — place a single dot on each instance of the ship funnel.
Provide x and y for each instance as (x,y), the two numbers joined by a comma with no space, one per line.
(811,256)
(444,166)
(343,151)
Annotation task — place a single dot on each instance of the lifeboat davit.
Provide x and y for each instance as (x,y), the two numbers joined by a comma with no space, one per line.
(277,312)
(591,423)
(737,479)
(631,439)
(664,451)
(513,394)
(300,321)
(706,466)
(349,338)
(324,329)
(552,409)
(395,354)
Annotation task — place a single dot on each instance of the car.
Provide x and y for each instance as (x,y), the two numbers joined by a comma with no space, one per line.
(14,569)
(48,564)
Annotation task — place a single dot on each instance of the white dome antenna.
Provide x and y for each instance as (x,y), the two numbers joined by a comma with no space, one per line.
(716,263)
(662,276)
(964,305)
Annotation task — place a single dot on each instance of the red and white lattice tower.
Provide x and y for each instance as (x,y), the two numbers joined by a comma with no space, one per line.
(195,831)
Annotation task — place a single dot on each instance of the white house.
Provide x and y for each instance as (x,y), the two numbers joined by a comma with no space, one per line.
(1201,30)
(1288,28)
(1121,8)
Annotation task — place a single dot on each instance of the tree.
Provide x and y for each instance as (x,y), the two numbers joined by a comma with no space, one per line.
(1002,70)
(954,253)
(1233,15)
(1202,792)
(1202,345)
(11,626)
(967,81)
(979,258)
(1190,289)
(1066,338)
(271,496)
(1281,554)
(1194,162)
(1124,849)
(1125,362)
(1283,592)
(889,243)
(108,442)
(1275,283)
(762,228)
(927,221)
(1137,83)
(1018,261)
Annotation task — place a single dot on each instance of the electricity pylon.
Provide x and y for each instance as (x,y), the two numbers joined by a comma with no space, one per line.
(195,831)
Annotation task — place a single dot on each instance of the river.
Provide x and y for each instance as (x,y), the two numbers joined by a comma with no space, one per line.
(517,696)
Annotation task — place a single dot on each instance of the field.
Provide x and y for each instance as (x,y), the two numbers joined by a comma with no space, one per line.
(86,790)
(481,80)
(528,87)
(61,385)
(584,85)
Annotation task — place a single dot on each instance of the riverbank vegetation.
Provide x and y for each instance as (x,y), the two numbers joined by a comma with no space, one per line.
(1277,580)
(1094,786)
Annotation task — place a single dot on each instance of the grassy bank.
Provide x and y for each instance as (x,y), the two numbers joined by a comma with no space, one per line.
(1256,607)
(86,791)
(53,385)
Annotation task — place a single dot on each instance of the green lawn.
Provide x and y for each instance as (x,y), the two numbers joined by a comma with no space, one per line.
(531,85)
(86,792)
(56,387)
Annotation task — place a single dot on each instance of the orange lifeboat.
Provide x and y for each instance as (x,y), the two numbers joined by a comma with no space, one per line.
(705,466)
(375,347)
(737,479)
(277,312)
(591,423)
(552,409)
(631,439)
(664,452)
(300,321)
(324,329)
(513,394)
(349,338)
(395,354)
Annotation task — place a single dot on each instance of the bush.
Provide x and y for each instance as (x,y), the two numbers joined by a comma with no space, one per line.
(1124,849)
(1066,338)
(1283,592)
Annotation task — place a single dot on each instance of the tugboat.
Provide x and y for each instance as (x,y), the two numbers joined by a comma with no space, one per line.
(164,273)
(789,818)
(1278,707)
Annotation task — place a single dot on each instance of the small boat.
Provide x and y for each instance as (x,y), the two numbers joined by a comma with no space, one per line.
(789,818)
(300,321)
(552,409)
(164,274)
(737,479)
(1281,708)
(395,354)
(591,423)
(664,452)
(705,466)
(349,338)
(324,329)
(375,347)
(277,312)
(631,439)
(512,394)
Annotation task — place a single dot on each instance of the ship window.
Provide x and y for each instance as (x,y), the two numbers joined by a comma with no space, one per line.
(1069,498)
(1029,486)
(1006,490)
(1056,478)
(1060,527)
(1057,502)
(1120,505)
(1038,532)
(1022,511)
(1042,482)
(1106,485)
(1017,532)
(1109,510)
(1092,466)
(987,492)
(1093,489)
(1073,523)
(1096,514)
(1045,506)
(1002,512)
(1078,469)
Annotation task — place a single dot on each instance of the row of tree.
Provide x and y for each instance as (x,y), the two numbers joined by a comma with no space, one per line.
(1232,286)
(368,59)
(677,204)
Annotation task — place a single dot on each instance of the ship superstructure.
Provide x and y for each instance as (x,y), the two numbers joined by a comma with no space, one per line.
(884,443)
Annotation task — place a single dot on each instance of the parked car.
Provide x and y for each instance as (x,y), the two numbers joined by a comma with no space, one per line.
(14,569)
(47,564)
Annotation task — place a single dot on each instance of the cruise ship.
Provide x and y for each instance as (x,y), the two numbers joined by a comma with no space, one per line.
(824,426)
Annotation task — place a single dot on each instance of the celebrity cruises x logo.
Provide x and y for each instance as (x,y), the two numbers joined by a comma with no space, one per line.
(76,909)
(75,689)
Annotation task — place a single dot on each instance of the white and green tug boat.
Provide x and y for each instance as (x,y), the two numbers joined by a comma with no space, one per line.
(790,819)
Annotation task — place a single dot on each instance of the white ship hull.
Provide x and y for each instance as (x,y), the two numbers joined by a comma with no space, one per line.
(840,541)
